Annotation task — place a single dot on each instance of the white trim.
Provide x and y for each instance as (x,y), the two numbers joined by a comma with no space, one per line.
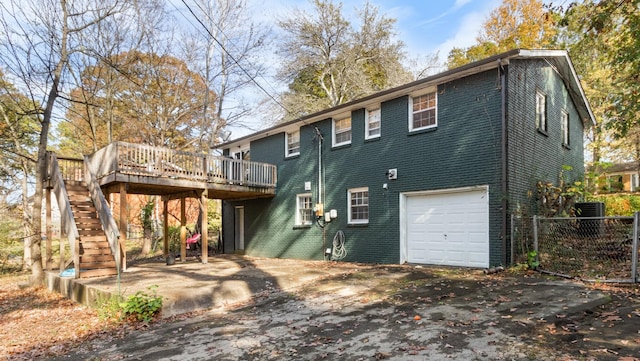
(410,102)
(402,202)
(540,95)
(241,151)
(286,144)
(238,225)
(565,128)
(355,190)
(333,130)
(298,221)
(366,122)
(559,56)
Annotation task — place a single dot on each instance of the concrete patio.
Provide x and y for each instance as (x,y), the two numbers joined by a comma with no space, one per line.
(227,280)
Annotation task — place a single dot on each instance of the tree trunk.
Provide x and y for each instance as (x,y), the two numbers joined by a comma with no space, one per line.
(27,226)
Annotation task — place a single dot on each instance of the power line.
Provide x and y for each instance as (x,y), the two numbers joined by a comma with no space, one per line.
(251,77)
(229,41)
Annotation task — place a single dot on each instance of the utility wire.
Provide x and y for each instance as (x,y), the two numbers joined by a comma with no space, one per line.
(211,20)
(252,78)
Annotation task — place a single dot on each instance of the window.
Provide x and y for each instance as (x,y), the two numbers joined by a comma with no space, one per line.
(372,123)
(341,131)
(565,128)
(304,210)
(423,111)
(541,112)
(293,144)
(358,205)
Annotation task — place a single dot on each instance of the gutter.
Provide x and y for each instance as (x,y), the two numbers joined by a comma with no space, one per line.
(504,184)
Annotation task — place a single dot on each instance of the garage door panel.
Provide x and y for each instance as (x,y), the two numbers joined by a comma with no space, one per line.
(448,228)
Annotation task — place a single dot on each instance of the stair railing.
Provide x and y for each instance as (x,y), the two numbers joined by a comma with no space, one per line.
(68,223)
(104,214)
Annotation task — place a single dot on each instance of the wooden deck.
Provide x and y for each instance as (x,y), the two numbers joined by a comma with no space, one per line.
(126,168)
(174,174)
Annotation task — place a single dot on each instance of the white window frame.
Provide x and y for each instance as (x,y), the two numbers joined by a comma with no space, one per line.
(350,193)
(412,113)
(333,131)
(300,221)
(288,150)
(541,111)
(564,125)
(368,119)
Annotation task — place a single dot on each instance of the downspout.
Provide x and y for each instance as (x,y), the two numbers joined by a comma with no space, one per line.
(504,184)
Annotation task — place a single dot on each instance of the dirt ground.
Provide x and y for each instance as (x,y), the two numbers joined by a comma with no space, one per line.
(397,313)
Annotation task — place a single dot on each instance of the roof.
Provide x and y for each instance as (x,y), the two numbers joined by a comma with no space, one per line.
(559,59)
(622,168)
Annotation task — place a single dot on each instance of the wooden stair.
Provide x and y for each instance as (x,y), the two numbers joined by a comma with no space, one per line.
(96,258)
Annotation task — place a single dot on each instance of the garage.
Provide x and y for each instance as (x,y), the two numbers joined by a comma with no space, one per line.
(449,227)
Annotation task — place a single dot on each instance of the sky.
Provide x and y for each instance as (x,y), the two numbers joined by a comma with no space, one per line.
(427,27)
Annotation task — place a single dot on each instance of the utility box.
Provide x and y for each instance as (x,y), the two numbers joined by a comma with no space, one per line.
(590,227)
(590,209)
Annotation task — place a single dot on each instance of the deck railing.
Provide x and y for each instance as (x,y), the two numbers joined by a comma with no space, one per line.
(71,169)
(56,176)
(145,160)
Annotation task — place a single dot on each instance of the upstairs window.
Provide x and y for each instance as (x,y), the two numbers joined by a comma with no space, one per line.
(341,131)
(565,128)
(358,205)
(304,210)
(372,123)
(293,144)
(423,111)
(541,112)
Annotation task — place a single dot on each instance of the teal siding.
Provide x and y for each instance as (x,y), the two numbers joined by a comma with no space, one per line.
(464,150)
(534,156)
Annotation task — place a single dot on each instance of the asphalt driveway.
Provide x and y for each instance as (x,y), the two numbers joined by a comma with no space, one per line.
(366,312)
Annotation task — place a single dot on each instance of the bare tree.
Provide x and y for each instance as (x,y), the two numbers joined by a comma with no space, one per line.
(327,61)
(41,41)
(226,48)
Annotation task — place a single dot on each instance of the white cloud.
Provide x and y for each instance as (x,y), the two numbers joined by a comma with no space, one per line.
(465,36)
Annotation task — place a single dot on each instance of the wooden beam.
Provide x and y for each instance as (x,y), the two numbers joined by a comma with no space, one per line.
(49,227)
(183,229)
(181,195)
(124,220)
(165,221)
(204,227)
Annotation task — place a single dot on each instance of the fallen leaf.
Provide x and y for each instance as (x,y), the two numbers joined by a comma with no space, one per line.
(612,318)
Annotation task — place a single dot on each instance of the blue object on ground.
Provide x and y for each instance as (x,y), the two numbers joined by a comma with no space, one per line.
(68,273)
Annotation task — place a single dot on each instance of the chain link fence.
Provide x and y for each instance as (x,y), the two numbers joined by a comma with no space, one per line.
(601,249)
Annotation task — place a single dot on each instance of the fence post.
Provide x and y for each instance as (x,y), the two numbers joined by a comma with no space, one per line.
(512,238)
(634,252)
(534,220)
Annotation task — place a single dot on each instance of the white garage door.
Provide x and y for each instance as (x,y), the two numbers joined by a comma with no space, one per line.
(449,228)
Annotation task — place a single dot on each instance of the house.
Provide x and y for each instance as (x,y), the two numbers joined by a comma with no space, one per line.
(428,173)
(619,177)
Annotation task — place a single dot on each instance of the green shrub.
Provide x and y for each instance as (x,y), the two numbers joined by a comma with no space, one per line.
(108,307)
(618,204)
(142,306)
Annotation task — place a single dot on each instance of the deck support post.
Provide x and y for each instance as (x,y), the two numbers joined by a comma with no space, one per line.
(124,219)
(183,229)
(49,229)
(204,227)
(165,233)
